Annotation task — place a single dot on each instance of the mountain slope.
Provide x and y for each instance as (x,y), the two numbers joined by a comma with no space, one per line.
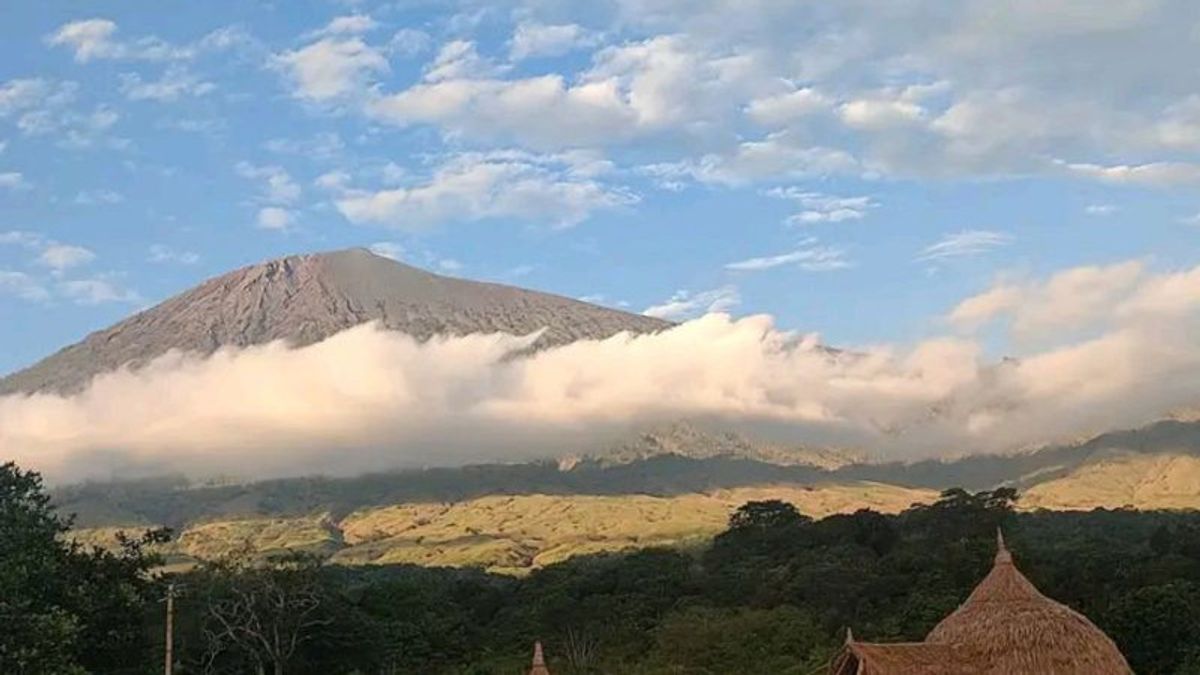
(307,298)
(684,439)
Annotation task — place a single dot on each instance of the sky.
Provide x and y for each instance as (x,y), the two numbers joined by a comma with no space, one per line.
(1019,175)
(846,168)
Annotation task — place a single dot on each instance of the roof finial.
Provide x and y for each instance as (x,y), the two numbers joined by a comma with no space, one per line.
(1002,554)
(849,635)
(538,658)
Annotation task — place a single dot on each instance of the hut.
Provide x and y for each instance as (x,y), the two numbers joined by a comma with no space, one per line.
(1005,627)
(539,661)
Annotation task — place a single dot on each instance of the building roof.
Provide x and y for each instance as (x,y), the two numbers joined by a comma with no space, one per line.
(1011,628)
(1005,627)
(910,658)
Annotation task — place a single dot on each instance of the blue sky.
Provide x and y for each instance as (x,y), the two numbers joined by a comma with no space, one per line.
(849,169)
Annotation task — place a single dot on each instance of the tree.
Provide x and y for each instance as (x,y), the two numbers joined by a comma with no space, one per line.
(262,610)
(765,515)
(66,609)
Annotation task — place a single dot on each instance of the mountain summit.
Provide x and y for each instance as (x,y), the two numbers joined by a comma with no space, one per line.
(306,298)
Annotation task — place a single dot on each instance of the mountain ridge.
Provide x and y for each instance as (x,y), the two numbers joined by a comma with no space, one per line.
(306,298)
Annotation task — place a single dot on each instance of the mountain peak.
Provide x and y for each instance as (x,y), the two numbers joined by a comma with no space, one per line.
(306,298)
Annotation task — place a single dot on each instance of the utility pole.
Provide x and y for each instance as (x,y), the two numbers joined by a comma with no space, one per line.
(169,661)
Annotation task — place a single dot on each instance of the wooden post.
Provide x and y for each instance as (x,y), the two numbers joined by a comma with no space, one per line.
(169,661)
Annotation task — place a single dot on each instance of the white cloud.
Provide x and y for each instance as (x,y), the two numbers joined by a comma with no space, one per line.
(657,86)
(323,145)
(880,114)
(14,180)
(344,405)
(1100,209)
(1071,300)
(175,83)
(533,39)
(275,218)
(388,249)
(336,180)
(97,291)
(409,42)
(42,107)
(23,286)
(810,258)
(93,39)
(163,255)
(1159,174)
(23,238)
(966,243)
(478,186)
(277,185)
(780,156)
(331,68)
(783,109)
(62,257)
(822,208)
(459,60)
(97,197)
(352,24)
(687,305)
(71,129)
(34,93)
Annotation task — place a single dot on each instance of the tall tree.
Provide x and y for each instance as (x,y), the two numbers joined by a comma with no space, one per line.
(66,609)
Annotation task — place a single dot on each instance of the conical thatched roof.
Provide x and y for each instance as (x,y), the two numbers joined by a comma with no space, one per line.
(539,661)
(1010,628)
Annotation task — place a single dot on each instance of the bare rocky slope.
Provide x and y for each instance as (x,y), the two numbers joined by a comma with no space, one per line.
(307,298)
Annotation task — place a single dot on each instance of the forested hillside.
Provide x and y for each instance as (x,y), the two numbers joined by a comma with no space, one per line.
(773,594)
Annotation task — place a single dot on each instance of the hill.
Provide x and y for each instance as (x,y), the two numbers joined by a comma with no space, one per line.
(306,298)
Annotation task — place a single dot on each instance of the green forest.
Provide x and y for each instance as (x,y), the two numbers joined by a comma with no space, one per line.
(773,594)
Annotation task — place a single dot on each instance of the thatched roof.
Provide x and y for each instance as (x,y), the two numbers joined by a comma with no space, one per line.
(539,661)
(907,658)
(1010,628)
(1006,627)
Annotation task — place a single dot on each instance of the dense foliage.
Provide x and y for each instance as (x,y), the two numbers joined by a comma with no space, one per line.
(771,595)
(64,610)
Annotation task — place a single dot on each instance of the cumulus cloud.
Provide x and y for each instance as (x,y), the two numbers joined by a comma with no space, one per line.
(662,85)
(331,68)
(553,189)
(370,399)
(96,39)
(533,39)
(61,257)
(275,218)
(277,185)
(1070,300)
(97,291)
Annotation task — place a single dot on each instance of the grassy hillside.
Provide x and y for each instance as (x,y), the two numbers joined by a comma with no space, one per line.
(511,534)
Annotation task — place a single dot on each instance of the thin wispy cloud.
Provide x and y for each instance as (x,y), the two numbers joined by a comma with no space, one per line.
(965,244)
(811,257)
(1100,209)
(822,208)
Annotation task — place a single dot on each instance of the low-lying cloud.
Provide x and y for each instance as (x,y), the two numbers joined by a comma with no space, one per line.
(369,399)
